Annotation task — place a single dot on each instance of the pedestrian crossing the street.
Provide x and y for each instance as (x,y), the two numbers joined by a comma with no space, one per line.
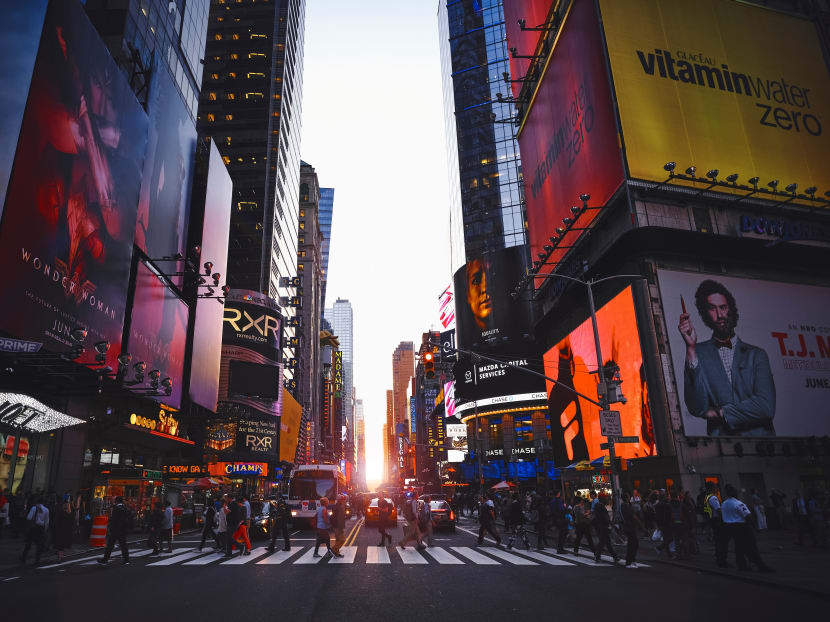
(354,555)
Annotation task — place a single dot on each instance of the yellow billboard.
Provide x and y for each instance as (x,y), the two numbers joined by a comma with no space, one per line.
(719,84)
(292,414)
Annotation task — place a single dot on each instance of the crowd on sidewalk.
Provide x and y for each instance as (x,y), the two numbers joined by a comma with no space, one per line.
(675,522)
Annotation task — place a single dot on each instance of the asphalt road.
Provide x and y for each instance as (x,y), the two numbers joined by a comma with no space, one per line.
(452,580)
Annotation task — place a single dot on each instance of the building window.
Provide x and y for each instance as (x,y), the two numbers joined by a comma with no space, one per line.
(302,213)
(211,118)
(302,226)
(301,240)
(230,95)
(256,55)
(217,36)
(254,96)
(255,74)
(231,74)
(212,97)
(214,76)
(301,254)
(300,267)
(229,117)
(234,56)
(246,205)
(235,37)
(257,36)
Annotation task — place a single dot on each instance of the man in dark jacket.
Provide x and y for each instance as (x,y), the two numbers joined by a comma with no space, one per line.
(120,519)
(602,525)
(279,523)
(486,518)
(517,521)
(207,530)
(338,522)
(631,522)
(582,525)
(156,520)
(557,507)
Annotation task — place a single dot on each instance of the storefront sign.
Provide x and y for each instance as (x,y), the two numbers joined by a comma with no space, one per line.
(495,452)
(524,449)
(238,468)
(784,230)
(165,423)
(338,371)
(184,469)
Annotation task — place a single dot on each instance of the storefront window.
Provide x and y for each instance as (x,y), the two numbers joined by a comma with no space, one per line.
(524,429)
(495,432)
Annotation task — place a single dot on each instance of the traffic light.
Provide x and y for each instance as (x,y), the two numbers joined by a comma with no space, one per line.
(429,365)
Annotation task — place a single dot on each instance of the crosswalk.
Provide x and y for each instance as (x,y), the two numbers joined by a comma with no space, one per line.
(352,555)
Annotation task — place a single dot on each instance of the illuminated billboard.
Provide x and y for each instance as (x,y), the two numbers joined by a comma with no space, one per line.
(164,201)
(158,330)
(213,187)
(568,140)
(446,308)
(251,333)
(720,85)
(751,357)
(485,313)
(66,238)
(457,441)
(571,361)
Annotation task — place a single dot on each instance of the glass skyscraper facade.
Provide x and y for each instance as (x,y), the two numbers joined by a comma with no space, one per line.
(486,195)
(325,215)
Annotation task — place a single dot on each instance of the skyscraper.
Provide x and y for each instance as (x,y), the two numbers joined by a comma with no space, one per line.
(339,315)
(251,104)
(360,440)
(308,371)
(403,366)
(486,200)
(325,216)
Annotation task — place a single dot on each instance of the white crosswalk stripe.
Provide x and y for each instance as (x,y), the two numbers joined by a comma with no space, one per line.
(513,559)
(442,556)
(410,556)
(278,557)
(205,559)
(308,557)
(175,559)
(547,559)
(474,556)
(348,553)
(246,559)
(377,555)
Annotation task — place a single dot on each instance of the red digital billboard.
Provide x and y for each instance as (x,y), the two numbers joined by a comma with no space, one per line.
(575,424)
(568,141)
(158,331)
(535,14)
(66,239)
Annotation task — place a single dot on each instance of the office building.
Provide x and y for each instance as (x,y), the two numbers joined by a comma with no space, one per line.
(325,215)
(360,441)
(307,334)
(403,366)
(484,169)
(339,315)
(251,104)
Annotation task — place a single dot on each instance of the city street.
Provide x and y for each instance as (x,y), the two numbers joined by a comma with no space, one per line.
(451,580)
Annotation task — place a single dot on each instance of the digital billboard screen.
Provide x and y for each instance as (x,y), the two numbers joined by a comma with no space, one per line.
(66,237)
(486,315)
(534,14)
(164,201)
(575,423)
(214,187)
(568,140)
(750,357)
(158,330)
(253,380)
(720,85)
(252,331)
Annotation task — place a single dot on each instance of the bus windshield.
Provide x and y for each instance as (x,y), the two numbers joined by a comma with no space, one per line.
(312,489)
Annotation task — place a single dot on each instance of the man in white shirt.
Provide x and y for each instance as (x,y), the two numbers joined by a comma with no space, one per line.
(38,519)
(735,513)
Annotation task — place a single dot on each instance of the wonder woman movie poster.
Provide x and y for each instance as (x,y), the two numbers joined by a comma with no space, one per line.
(165,190)
(69,218)
(158,332)
(575,426)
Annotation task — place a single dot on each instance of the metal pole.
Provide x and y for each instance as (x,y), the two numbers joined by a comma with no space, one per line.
(478,449)
(604,397)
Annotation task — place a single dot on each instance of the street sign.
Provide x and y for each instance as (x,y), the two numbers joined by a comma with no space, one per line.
(619,439)
(609,423)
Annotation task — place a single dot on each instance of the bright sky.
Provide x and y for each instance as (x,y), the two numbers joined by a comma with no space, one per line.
(373,130)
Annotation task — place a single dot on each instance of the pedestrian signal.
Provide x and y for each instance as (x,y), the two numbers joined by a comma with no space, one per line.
(429,365)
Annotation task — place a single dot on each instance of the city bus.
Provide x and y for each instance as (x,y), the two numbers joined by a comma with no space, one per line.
(310,482)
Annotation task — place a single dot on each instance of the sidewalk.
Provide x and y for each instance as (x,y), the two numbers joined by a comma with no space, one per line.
(11,548)
(801,569)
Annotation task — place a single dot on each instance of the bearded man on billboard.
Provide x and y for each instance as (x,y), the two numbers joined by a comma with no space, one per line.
(726,381)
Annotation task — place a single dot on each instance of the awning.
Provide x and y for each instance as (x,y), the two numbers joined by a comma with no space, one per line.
(26,413)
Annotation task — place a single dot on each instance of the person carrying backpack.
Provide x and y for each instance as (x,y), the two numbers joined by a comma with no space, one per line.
(425,520)
(557,508)
(120,524)
(486,519)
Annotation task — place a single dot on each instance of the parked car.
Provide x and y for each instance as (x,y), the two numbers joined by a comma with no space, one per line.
(372,515)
